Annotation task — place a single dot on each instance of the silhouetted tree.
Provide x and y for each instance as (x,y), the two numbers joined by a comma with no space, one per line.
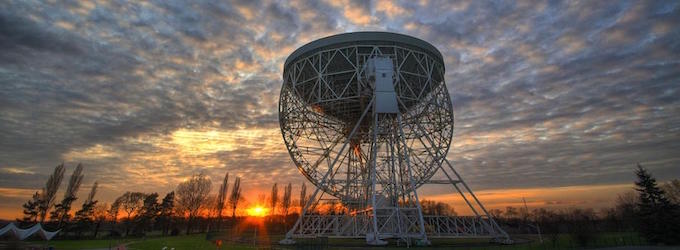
(285,201)
(166,211)
(496,213)
(30,210)
(192,196)
(84,216)
(130,202)
(274,199)
(112,214)
(510,212)
(235,197)
(114,210)
(436,208)
(303,196)
(658,218)
(672,190)
(49,192)
(221,199)
(581,225)
(545,219)
(331,206)
(625,208)
(99,214)
(147,214)
(61,211)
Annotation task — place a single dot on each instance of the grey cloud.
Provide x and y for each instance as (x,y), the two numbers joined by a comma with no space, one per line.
(552,94)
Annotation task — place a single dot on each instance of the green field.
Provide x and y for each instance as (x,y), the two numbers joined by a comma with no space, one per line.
(198,241)
(80,244)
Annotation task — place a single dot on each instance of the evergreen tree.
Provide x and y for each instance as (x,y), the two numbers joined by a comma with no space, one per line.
(657,218)
(61,210)
(221,199)
(235,197)
(286,200)
(49,192)
(31,210)
(303,196)
(85,216)
(148,213)
(274,198)
(166,211)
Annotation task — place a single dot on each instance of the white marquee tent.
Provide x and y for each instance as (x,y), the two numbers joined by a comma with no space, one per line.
(22,234)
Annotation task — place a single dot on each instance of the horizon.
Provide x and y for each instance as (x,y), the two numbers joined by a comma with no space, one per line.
(553,103)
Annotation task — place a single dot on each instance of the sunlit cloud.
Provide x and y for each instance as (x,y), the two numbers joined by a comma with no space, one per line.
(15,170)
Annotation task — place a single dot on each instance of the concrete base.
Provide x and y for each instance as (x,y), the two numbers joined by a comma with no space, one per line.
(373,241)
(504,241)
(423,243)
(287,241)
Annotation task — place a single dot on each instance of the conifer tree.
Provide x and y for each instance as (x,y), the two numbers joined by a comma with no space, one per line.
(61,211)
(221,199)
(49,192)
(166,211)
(657,218)
(31,210)
(235,197)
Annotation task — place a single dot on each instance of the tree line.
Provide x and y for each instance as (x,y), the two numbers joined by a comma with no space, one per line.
(652,210)
(43,203)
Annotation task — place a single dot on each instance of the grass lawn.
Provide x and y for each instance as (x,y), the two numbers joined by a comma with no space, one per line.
(80,244)
(198,241)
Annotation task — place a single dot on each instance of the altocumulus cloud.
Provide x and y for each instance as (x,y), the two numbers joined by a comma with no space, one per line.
(144,94)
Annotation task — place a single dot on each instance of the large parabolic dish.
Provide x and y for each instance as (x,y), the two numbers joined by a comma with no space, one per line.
(326,90)
(367,118)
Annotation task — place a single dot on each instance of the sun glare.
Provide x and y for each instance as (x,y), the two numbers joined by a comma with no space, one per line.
(258,211)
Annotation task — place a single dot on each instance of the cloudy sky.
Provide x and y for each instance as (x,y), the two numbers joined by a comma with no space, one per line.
(553,101)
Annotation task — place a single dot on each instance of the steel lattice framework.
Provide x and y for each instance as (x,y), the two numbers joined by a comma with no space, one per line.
(367,118)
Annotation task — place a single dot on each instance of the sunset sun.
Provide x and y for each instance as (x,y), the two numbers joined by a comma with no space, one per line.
(258,211)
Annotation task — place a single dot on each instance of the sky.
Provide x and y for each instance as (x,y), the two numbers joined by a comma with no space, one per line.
(555,102)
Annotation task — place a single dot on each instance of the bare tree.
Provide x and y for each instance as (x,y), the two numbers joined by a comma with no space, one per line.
(62,209)
(510,212)
(235,197)
(285,201)
(130,202)
(192,195)
(50,191)
(672,189)
(496,213)
(303,196)
(221,199)
(274,197)
(99,214)
(332,206)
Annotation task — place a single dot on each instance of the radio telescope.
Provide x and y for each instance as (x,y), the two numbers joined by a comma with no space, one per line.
(367,118)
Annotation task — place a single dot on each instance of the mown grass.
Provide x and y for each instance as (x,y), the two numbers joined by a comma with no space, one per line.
(198,241)
(80,244)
